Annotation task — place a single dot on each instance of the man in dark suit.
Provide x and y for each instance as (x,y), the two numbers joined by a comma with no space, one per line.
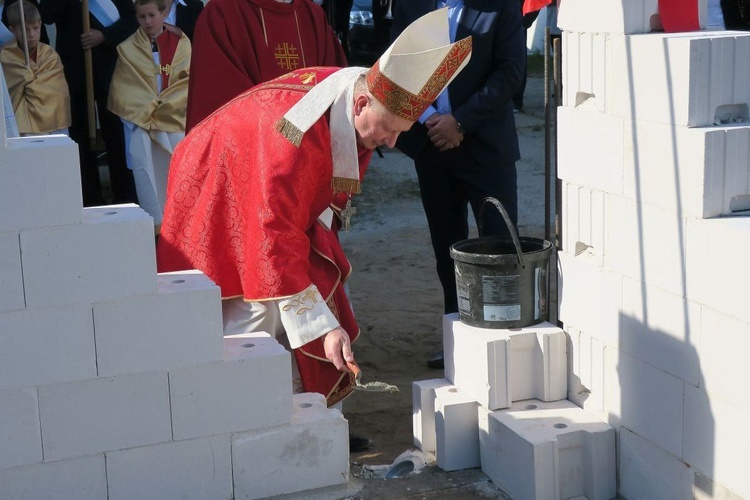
(465,148)
(102,39)
(184,14)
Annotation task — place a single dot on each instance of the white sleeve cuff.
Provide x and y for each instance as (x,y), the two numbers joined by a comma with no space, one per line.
(306,317)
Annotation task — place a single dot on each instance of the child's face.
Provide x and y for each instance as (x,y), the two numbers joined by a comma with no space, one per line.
(150,19)
(33,32)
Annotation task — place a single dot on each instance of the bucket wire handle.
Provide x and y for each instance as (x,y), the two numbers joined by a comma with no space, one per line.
(508,223)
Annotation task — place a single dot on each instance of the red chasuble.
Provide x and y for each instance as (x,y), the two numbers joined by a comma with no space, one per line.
(241,43)
(242,206)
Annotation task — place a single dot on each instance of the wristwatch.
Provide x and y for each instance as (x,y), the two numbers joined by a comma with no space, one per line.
(460,128)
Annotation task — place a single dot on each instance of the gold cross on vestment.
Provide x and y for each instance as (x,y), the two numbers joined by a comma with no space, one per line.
(286,56)
(346,214)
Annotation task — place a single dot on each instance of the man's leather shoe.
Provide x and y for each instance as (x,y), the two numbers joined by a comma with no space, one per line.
(436,360)
(358,443)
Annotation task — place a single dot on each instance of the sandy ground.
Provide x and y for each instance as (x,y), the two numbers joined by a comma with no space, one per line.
(394,287)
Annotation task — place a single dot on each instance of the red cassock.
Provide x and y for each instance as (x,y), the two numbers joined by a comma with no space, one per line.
(242,207)
(241,43)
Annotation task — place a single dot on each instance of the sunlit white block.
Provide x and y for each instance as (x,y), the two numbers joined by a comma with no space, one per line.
(607,16)
(193,469)
(11,277)
(647,243)
(689,79)
(589,297)
(694,172)
(716,438)
(80,478)
(423,412)
(20,434)
(179,325)
(40,183)
(104,414)
(456,431)
(647,471)
(110,255)
(497,366)
(590,149)
(586,68)
(717,274)
(538,450)
(583,217)
(46,346)
(310,452)
(253,389)
(590,370)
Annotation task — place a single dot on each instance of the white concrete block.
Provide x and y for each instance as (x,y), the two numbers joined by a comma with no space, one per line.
(583,216)
(538,450)
(590,149)
(456,429)
(725,344)
(179,325)
(104,414)
(41,183)
(694,172)
(716,439)
(423,412)
(11,277)
(687,79)
(607,16)
(705,488)
(20,437)
(497,366)
(717,275)
(45,346)
(662,329)
(110,255)
(192,469)
(80,478)
(647,471)
(310,452)
(648,401)
(587,65)
(253,388)
(648,244)
(589,372)
(589,297)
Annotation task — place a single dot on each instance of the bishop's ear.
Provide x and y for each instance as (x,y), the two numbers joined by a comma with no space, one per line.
(360,102)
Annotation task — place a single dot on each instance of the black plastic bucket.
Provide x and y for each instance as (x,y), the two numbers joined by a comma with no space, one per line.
(502,282)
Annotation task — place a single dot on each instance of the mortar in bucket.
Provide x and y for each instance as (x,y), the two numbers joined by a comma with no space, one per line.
(502,282)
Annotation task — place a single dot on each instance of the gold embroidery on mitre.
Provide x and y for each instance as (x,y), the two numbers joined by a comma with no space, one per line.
(303,302)
(287,56)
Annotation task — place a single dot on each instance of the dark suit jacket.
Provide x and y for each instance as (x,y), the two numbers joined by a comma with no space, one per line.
(66,15)
(481,95)
(187,15)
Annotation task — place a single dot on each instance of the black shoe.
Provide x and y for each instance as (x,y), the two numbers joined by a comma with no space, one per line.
(436,360)
(358,443)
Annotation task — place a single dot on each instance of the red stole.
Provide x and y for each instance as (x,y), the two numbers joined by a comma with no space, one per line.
(167,44)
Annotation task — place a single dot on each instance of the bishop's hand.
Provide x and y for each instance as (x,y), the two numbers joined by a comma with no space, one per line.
(338,348)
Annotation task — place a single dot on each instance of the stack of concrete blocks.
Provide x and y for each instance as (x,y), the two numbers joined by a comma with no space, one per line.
(116,382)
(502,407)
(654,159)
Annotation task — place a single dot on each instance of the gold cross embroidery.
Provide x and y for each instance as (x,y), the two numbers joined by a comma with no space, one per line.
(286,56)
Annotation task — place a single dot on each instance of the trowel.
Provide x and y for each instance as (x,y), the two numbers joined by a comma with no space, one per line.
(370,386)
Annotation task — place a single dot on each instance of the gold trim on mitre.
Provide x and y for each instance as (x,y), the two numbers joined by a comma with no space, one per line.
(418,66)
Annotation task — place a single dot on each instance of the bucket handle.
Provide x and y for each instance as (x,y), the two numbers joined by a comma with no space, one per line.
(508,223)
